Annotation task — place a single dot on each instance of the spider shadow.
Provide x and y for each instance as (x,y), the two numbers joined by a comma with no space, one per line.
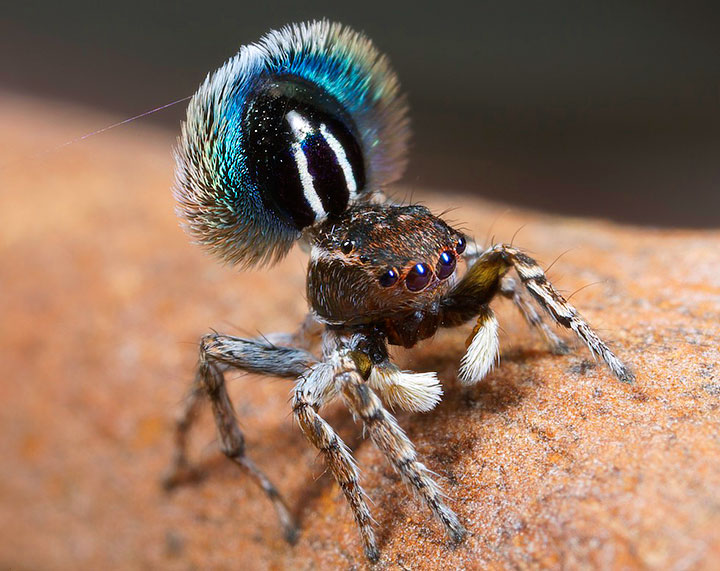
(307,491)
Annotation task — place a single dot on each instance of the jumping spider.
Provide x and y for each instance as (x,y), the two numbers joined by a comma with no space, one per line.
(294,139)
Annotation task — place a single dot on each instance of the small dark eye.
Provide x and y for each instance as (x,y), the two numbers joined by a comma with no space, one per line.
(347,246)
(446,264)
(460,247)
(418,277)
(390,277)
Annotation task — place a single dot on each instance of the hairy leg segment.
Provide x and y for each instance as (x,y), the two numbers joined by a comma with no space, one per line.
(342,354)
(218,353)
(510,289)
(392,441)
(484,280)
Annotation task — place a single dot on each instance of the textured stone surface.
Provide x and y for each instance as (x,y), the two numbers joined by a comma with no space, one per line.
(549,461)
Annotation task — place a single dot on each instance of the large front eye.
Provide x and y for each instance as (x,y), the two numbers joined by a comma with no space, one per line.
(418,277)
(446,265)
(389,278)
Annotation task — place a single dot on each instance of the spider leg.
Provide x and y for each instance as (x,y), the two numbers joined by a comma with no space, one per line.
(482,282)
(219,353)
(392,441)
(338,457)
(510,289)
(305,337)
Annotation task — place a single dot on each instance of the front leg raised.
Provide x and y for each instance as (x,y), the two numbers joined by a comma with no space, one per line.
(483,281)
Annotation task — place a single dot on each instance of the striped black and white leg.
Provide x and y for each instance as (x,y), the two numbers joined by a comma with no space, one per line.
(534,279)
(510,289)
(308,399)
(392,441)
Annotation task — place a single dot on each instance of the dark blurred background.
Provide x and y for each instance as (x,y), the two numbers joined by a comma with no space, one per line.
(606,109)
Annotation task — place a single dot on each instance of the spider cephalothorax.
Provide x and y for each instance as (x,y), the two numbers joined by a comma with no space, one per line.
(377,263)
(295,138)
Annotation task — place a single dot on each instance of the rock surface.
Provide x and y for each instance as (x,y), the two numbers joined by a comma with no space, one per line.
(549,461)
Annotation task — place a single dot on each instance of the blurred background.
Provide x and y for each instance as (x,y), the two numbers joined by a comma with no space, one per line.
(610,109)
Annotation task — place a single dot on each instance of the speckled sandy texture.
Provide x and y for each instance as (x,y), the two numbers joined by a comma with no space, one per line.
(549,461)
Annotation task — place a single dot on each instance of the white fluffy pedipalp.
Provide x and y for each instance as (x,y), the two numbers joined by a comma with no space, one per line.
(482,354)
(414,392)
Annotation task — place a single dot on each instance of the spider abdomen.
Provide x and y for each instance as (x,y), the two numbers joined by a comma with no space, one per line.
(289,132)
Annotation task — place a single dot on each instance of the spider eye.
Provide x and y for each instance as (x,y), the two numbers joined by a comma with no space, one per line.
(389,278)
(460,247)
(446,265)
(347,246)
(418,277)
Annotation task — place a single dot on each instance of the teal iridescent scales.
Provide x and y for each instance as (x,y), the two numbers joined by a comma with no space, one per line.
(288,132)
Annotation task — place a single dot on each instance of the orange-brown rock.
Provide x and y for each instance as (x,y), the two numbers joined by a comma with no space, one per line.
(549,461)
